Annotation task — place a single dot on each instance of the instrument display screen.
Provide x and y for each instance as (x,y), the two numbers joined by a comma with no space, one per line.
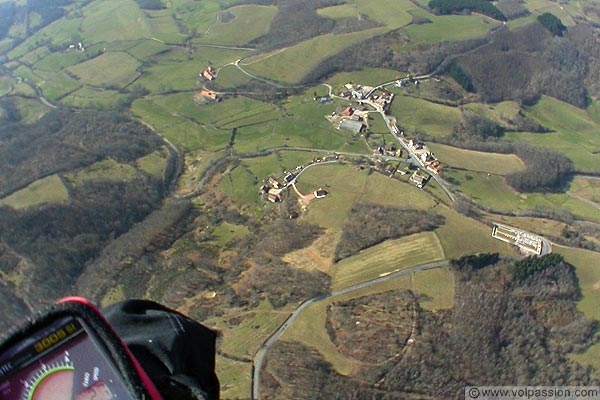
(61,361)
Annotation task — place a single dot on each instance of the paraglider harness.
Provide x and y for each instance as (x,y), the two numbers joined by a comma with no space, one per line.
(133,350)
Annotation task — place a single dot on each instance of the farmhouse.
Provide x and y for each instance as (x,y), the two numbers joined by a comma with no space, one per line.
(355,126)
(274,198)
(208,74)
(418,179)
(347,112)
(273,182)
(209,94)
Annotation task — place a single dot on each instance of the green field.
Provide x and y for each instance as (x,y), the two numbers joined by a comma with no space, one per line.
(346,186)
(107,70)
(93,97)
(235,378)
(366,76)
(575,132)
(588,274)
(245,338)
(590,357)
(449,27)
(226,233)
(386,258)
(251,21)
(493,163)
(423,116)
(179,131)
(49,190)
(391,13)
(103,170)
(462,236)
(30,109)
(282,65)
(587,188)
(241,187)
(492,191)
(113,20)
(310,326)
(437,285)
(155,163)
(147,48)
(55,62)
(339,12)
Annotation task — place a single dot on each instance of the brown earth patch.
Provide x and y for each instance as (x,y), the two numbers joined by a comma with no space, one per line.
(318,256)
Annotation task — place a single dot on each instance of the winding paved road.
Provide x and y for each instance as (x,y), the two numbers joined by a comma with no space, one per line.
(260,355)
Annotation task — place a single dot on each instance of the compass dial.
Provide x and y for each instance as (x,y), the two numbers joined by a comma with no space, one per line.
(51,382)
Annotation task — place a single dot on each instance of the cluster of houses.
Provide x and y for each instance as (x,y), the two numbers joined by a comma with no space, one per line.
(79,47)
(351,118)
(389,149)
(209,74)
(424,156)
(358,92)
(272,190)
(419,179)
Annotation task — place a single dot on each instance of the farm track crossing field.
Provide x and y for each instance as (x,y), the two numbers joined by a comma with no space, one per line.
(391,13)
(387,257)
(108,69)
(113,20)
(57,85)
(449,27)
(587,188)
(55,62)
(366,76)
(49,190)
(251,21)
(493,163)
(283,65)
(93,97)
(103,170)
(339,12)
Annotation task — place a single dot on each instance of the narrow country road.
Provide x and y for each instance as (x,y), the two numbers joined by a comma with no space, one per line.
(260,355)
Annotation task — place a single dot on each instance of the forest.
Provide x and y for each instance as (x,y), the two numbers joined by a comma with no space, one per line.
(52,243)
(456,6)
(520,331)
(373,223)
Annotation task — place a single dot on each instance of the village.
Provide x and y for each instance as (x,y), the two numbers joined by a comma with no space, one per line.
(363,99)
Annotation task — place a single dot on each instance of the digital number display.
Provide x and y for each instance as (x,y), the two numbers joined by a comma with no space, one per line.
(56,337)
(61,361)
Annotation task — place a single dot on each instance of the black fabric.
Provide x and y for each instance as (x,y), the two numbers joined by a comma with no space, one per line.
(177,353)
